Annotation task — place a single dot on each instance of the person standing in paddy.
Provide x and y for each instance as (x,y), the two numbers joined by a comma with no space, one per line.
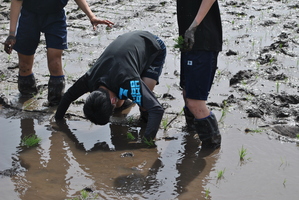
(128,69)
(28,18)
(199,23)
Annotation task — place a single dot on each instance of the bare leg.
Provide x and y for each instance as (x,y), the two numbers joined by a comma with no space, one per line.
(56,83)
(54,61)
(25,64)
(26,79)
(197,107)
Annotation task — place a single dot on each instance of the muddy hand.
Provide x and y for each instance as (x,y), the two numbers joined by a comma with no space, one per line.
(9,43)
(189,38)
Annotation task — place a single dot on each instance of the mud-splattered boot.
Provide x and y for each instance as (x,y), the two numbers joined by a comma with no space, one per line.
(208,131)
(27,85)
(56,87)
(189,117)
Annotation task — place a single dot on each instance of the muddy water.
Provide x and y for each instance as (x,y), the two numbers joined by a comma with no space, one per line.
(77,154)
(263,36)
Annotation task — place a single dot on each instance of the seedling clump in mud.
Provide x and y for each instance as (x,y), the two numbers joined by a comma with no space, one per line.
(30,141)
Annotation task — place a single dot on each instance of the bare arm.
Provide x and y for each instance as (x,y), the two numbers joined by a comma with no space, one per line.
(93,19)
(15,8)
(202,12)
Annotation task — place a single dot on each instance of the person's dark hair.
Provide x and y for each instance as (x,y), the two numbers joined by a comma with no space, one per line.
(98,107)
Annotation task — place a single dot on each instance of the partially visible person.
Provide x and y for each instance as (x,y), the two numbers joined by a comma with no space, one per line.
(30,18)
(199,23)
(129,68)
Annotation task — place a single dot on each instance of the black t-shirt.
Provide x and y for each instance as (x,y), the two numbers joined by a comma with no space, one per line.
(208,35)
(44,6)
(119,69)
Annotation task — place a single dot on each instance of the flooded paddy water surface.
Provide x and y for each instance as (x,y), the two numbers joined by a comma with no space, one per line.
(254,96)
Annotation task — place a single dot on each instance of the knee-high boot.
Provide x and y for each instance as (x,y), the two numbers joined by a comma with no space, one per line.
(56,87)
(189,117)
(27,85)
(208,131)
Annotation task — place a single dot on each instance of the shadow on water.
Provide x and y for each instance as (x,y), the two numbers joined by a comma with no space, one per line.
(65,162)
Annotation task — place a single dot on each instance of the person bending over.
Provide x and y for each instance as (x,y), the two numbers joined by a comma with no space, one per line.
(129,68)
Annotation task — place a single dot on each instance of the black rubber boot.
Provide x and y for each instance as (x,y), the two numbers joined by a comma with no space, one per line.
(27,85)
(189,117)
(208,131)
(56,87)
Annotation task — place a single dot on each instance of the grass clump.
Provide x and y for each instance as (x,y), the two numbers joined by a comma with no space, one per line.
(30,141)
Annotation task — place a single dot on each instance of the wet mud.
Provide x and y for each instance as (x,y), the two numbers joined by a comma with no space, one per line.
(254,96)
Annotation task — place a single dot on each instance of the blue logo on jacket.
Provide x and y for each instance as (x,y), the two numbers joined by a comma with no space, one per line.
(135,91)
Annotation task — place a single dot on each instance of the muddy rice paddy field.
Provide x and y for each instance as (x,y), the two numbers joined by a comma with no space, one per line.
(254,96)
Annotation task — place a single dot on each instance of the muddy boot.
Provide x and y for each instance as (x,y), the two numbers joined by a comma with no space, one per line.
(189,117)
(56,87)
(27,85)
(208,131)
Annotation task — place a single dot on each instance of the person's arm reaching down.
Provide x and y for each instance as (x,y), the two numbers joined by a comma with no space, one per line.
(74,92)
(93,19)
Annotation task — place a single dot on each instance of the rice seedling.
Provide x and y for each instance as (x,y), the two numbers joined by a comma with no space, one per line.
(149,143)
(271,61)
(30,141)
(179,42)
(130,119)
(64,65)
(284,182)
(277,86)
(224,111)
(165,123)
(220,174)
(168,88)
(2,77)
(242,153)
(297,136)
(163,3)
(8,57)
(207,193)
(85,195)
(130,136)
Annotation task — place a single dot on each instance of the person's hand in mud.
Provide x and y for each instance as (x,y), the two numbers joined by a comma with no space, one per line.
(96,21)
(9,43)
(189,37)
